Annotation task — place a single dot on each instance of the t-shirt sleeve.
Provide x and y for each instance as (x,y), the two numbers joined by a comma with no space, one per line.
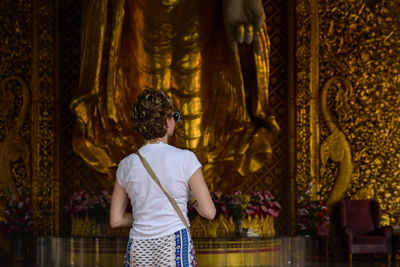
(120,173)
(191,164)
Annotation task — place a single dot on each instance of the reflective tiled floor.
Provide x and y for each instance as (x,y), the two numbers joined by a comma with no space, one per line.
(356,263)
(104,252)
(311,263)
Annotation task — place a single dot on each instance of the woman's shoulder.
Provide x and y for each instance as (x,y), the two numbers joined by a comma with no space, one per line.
(128,158)
(182,151)
(185,156)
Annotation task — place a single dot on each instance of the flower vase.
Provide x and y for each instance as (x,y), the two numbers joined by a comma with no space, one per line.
(238,227)
(22,248)
(102,229)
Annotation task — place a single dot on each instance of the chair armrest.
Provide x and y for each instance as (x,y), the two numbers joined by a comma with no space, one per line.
(349,233)
(386,231)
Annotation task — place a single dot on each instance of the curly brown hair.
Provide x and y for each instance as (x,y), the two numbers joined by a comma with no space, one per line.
(149,113)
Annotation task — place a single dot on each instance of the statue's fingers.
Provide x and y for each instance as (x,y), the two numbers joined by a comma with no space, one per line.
(249,34)
(240,33)
(230,38)
(233,45)
(255,13)
(256,43)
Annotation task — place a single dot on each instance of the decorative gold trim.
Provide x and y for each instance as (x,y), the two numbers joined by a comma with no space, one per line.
(225,228)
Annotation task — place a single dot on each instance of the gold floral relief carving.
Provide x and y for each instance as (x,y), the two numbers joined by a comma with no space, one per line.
(13,147)
(362,43)
(335,146)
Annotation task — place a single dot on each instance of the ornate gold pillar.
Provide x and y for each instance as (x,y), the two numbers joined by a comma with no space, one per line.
(291,99)
(45,178)
(314,88)
(306,101)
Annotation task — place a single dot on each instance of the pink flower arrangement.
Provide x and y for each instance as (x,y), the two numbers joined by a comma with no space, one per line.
(239,204)
(95,205)
(18,220)
(263,204)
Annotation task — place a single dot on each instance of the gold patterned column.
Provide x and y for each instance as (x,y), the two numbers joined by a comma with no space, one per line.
(45,183)
(303,96)
(292,116)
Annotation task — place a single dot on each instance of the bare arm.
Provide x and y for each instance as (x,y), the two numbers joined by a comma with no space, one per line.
(118,215)
(204,204)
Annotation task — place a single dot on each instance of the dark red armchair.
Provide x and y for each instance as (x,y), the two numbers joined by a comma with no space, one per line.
(360,220)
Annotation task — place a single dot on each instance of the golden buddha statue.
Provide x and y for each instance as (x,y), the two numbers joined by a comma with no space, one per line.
(193,50)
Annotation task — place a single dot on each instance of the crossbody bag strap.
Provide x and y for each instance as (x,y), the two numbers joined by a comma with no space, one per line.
(170,198)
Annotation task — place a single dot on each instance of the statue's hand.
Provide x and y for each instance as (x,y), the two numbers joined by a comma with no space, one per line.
(243,20)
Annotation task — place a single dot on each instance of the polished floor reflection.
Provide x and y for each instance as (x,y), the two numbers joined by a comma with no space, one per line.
(246,252)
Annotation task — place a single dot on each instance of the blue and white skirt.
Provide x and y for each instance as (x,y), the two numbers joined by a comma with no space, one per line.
(173,250)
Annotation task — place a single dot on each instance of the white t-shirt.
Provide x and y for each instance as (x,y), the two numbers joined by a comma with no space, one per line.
(153,214)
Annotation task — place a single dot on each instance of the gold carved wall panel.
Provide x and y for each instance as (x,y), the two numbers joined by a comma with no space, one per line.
(361,41)
(358,41)
(15,92)
(28,84)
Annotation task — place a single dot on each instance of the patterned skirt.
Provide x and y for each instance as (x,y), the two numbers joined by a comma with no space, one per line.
(173,250)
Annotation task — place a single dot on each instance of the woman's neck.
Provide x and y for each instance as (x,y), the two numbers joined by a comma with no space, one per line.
(160,140)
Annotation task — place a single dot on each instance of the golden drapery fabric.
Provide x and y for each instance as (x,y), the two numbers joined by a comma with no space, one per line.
(176,45)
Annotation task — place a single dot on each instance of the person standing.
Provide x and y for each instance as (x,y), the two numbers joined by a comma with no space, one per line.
(158,236)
